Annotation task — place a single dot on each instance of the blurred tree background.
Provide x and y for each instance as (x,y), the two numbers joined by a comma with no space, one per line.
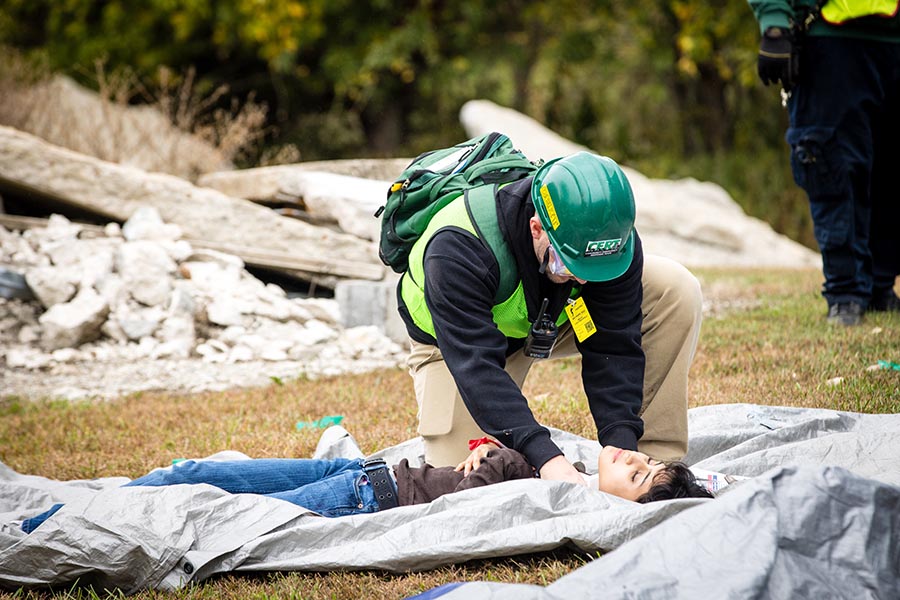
(666,86)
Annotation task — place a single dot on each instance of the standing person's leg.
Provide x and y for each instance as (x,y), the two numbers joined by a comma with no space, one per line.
(831,152)
(884,240)
(672,309)
(444,421)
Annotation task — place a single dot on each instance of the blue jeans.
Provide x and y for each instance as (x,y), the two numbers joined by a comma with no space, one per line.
(332,488)
(845,138)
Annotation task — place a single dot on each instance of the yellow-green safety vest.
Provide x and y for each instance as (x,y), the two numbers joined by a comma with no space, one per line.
(475,212)
(841,11)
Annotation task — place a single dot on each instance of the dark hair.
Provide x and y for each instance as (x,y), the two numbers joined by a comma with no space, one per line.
(676,480)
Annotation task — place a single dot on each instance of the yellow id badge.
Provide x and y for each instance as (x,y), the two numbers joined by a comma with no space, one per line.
(581,319)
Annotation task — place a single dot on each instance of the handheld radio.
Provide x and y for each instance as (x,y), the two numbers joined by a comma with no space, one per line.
(542,336)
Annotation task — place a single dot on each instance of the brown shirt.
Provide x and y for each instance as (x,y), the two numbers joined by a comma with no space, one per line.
(418,485)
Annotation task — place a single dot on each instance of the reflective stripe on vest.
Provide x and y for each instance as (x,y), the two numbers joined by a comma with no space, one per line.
(510,313)
(837,12)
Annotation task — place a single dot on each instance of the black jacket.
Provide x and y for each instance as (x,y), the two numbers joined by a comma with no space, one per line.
(418,485)
(461,279)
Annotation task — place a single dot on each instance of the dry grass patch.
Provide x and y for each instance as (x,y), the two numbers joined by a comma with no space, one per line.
(67,440)
(782,352)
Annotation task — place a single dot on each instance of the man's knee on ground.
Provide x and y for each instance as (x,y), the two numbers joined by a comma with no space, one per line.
(446,450)
(677,294)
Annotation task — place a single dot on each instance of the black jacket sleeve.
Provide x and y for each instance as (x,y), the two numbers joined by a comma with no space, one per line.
(461,279)
(612,367)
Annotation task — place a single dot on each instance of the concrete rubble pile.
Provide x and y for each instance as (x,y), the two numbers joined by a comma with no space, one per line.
(141,292)
(166,297)
(233,225)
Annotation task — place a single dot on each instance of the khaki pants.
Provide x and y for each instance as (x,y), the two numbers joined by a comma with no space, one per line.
(672,314)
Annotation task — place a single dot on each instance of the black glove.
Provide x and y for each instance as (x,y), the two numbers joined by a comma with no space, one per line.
(776,58)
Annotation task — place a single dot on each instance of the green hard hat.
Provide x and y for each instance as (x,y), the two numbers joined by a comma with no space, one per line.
(586,206)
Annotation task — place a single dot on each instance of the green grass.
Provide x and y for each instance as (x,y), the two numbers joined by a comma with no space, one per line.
(764,341)
(780,351)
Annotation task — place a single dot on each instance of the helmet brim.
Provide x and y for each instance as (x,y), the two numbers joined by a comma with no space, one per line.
(606,268)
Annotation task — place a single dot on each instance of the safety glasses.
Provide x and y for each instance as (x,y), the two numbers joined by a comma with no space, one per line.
(555,264)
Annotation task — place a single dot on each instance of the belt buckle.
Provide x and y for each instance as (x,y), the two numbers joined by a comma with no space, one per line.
(374,463)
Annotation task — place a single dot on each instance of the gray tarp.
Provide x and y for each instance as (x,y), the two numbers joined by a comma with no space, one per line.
(794,532)
(137,538)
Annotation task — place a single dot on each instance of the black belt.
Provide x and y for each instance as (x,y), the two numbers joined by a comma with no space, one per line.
(382,483)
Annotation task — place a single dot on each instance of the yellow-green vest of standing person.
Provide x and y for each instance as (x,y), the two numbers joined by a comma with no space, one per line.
(474,212)
(841,11)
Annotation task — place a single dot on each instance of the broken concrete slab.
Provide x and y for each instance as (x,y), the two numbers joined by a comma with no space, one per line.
(135,322)
(350,202)
(146,269)
(372,303)
(72,323)
(266,183)
(231,224)
(52,285)
(537,142)
(147,224)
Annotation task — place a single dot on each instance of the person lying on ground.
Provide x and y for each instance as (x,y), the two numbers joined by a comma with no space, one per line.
(339,486)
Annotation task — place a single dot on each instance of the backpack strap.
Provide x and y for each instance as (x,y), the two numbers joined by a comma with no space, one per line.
(517,163)
(481,205)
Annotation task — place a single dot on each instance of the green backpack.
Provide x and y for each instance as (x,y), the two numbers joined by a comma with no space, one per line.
(435,178)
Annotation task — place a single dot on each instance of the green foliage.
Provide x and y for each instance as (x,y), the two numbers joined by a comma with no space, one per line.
(669,82)
(592,70)
(147,34)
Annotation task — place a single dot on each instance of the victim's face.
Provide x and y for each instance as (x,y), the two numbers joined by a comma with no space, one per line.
(626,473)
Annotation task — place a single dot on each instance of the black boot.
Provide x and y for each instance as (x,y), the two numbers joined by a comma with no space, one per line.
(885,300)
(848,314)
